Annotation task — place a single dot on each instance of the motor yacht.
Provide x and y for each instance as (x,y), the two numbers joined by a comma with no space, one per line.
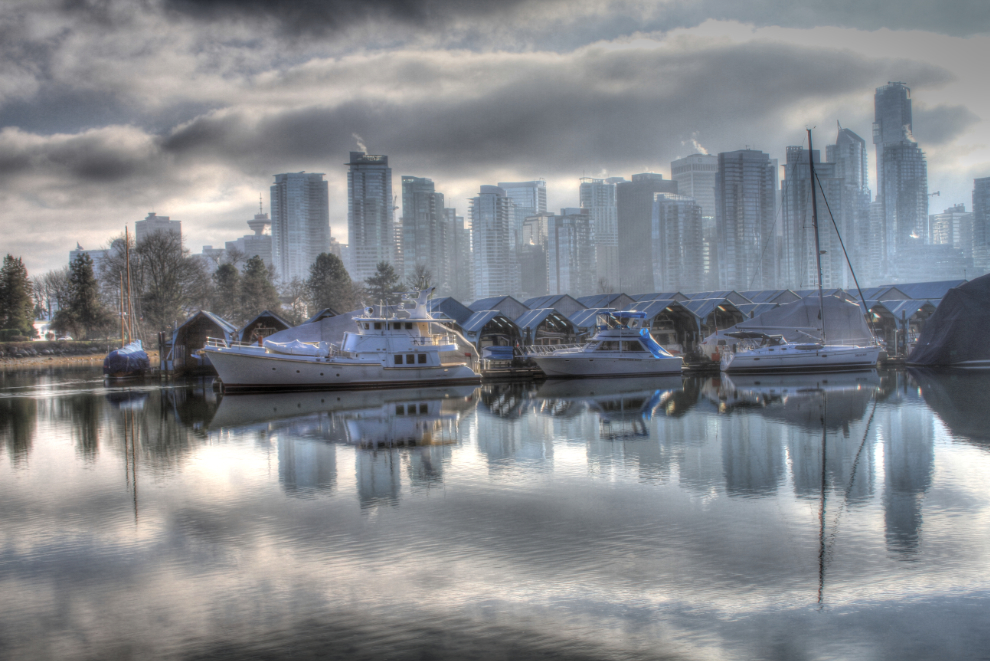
(758,352)
(622,346)
(408,348)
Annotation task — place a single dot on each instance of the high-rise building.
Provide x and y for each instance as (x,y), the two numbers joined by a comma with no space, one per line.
(678,244)
(598,197)
(370,221)
(953,227)
(634,213)
(849,156)
(155,223)
(902,177)
(569,253)
(97,255)
(532,256)
(424,234)
(300,222)
(493,243)
(529,198)
(797,267)
(695,177)
(981,224)
(744,218)
(259,243)
(461,266)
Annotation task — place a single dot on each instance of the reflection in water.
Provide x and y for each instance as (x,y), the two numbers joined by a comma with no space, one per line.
(615,500)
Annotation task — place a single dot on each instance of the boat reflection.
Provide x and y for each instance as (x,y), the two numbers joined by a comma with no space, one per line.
(960,401)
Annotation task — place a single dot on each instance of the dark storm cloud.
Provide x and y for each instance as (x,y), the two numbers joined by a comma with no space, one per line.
(941,124)
(612,109)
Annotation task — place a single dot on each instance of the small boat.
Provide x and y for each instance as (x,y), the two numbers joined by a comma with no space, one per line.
(622,346)
(386,351)
(772,353)
(128,362)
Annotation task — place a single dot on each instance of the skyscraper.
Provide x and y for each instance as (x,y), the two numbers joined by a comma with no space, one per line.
(598,197)
(424,235)
(678,246)
(798,268)
(634,213)
(892,121)
(695,177)
(493,243)
(461,267)
(744,217)
(569,253)
(529,198)
(155,223)
(981,224)
(849,156)
(370,221)
(300,222)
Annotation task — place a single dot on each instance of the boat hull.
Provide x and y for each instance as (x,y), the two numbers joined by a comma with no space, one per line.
(827,359)
(247,372)
(578,364)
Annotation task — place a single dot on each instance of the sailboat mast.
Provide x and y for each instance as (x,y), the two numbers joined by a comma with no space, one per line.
(127,256)
(818,246)
(122,342)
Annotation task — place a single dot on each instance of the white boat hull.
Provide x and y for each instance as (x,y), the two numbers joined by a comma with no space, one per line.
(247,371)
(827,358)
(580,364)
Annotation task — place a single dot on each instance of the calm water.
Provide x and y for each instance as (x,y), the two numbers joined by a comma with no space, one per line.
(841,516)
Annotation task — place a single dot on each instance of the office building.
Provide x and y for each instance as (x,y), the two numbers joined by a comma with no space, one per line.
(634,214)
(529,198)
(598,197)
(848,155)
(300,222)
(570,252)
(96,255)
(461,264)
(424,233)
(892,122)
(259,243)
(155,223)
(493,248)
(695,177)
(370,219)
(678,243)
(981,224)
(745,193)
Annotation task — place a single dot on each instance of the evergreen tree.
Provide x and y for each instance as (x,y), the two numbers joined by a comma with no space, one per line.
(85,313)
(384,285)
(257,289)
(16,297)
(226,292)
(329,285)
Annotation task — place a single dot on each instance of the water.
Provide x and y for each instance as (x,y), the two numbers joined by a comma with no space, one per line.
(644,518)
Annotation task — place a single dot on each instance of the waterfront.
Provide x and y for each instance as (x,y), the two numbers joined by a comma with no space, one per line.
(832,516)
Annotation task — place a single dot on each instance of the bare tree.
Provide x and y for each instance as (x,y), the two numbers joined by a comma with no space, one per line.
(420,279)
(52,290)
(295,299)
(170,279)
(604,286)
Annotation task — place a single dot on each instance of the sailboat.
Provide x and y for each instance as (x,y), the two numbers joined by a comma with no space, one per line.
(763,352)
(130,361)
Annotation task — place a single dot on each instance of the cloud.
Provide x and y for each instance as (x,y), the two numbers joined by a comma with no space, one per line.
(940,124)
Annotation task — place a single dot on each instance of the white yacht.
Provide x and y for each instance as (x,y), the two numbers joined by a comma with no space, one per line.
(622,346)
(397,350)
(758,352)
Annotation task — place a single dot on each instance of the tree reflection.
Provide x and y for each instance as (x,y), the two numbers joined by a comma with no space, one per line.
(18,422)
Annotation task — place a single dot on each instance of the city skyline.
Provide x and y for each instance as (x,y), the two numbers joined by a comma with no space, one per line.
(110,110)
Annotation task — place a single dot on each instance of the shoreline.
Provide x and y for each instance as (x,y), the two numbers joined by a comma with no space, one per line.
(32,362)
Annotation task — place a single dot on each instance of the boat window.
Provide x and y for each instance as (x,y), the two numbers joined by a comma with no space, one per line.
(609,345)
(400,409)
(367,326)
(410,358)
(408,325)
(422,357)
(721,343)
(424,408)
(378,325)
(398,359)
(632,345)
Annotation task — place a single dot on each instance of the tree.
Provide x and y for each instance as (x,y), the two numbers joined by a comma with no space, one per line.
(330,286)
(295,300)
(170,279)
(604,286)
(16,297)
(226,291)
(257,289)
(85,314)
(383,286)
(420,279)
(52,290)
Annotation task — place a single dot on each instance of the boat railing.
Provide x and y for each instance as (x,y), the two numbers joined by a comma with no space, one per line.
(432,340)
(220,343)
(546,349)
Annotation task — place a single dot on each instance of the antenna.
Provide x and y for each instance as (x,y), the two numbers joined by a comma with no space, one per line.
(260,209)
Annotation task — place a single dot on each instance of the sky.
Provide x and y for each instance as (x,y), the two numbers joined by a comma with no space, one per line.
(112,109)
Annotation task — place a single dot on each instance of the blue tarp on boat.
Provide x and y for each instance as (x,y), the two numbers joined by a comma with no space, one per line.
(126,360)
